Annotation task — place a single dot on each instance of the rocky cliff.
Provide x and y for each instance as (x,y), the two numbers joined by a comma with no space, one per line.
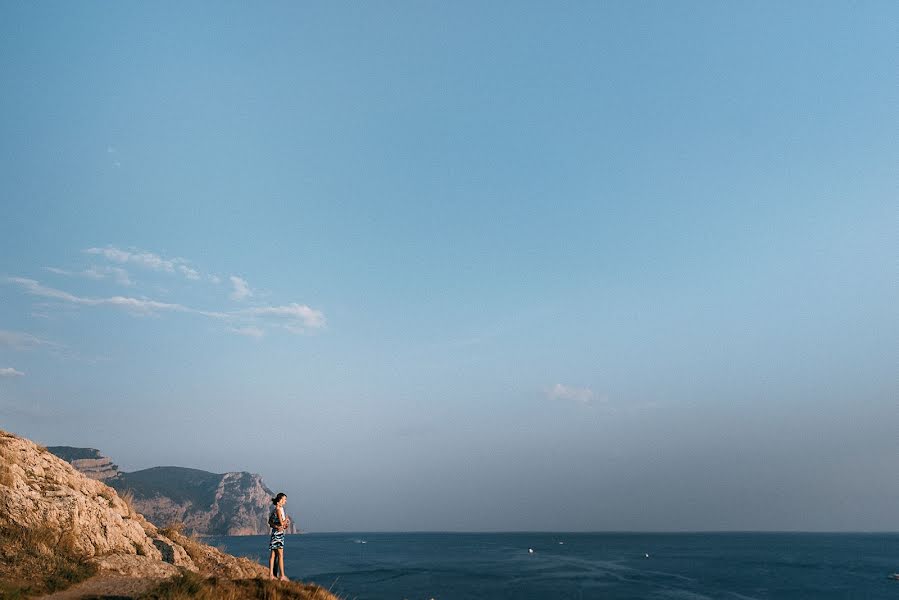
(235,503)
(41,492)
(54,520)
(87,460)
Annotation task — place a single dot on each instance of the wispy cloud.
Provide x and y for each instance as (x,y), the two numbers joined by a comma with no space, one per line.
(10,372)
(147,260)
(566,393)
(241,290)
(113,153)
(26,342)
(296,316)
(189,273)
(249,331)
(142,306)
(119,274)
(20,340)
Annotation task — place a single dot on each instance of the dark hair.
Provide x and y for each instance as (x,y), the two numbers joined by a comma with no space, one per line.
(277,498)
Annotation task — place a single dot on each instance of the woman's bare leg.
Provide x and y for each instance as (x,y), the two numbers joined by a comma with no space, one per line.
(281,562)
(271,565)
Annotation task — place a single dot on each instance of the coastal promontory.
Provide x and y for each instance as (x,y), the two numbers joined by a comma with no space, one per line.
(204,503)
(62,529)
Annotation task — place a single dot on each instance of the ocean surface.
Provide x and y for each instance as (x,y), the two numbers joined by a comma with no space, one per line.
(453,566)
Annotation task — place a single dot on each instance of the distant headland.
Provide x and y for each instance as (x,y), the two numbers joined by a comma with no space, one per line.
(233,503)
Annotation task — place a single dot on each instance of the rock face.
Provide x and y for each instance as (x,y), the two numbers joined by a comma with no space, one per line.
(38,490)
(87,460)
(235,503)
(206,503)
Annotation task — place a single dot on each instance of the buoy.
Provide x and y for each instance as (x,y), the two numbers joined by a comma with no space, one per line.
(530,550)
(646,555)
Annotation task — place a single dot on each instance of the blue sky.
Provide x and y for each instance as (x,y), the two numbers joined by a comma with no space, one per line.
(463,266)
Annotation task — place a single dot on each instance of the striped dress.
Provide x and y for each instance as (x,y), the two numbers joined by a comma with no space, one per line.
(277,539)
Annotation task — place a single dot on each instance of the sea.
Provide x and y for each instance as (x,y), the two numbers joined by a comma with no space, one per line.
(580,566)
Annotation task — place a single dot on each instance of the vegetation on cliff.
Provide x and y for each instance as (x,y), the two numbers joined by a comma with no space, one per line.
(192,586)
(38,560)
(70,453)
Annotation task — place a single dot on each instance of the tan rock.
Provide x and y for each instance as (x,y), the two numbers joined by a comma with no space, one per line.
(173,553)
(135,566)
(41,492)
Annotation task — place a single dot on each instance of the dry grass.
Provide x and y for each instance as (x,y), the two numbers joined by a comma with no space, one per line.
(7,479)
(193,586)
(127,497)
(175,528)
(215,562)
(8,455)
(193,548)
(38,560)
(107,494)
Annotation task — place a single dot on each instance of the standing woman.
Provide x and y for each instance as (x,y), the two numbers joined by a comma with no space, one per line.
(279,522)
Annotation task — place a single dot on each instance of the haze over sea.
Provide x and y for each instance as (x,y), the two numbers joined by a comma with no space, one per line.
(582,566)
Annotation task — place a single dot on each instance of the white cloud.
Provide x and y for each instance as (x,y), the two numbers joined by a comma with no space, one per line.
(19,340)
(147,260)
(10,372)
(570,394)
(111,253)
(242,289)
(188,272)
(143,306)
(250,322)
(295,314)
(138,305)
(119,274)
(35,288)
(248,331)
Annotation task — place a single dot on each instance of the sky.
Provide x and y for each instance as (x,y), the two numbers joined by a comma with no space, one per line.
(463,266)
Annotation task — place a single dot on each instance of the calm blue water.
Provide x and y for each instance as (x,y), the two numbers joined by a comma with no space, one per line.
(419,566)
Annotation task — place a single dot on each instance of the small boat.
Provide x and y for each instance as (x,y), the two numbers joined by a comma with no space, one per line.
(895,576)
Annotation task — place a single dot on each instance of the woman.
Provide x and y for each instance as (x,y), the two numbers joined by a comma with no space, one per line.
(279,523)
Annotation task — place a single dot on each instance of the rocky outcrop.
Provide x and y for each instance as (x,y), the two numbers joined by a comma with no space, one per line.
(87,460)
(234,503)
(41,492)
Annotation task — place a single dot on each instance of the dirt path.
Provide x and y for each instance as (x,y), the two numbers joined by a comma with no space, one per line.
(106,586)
